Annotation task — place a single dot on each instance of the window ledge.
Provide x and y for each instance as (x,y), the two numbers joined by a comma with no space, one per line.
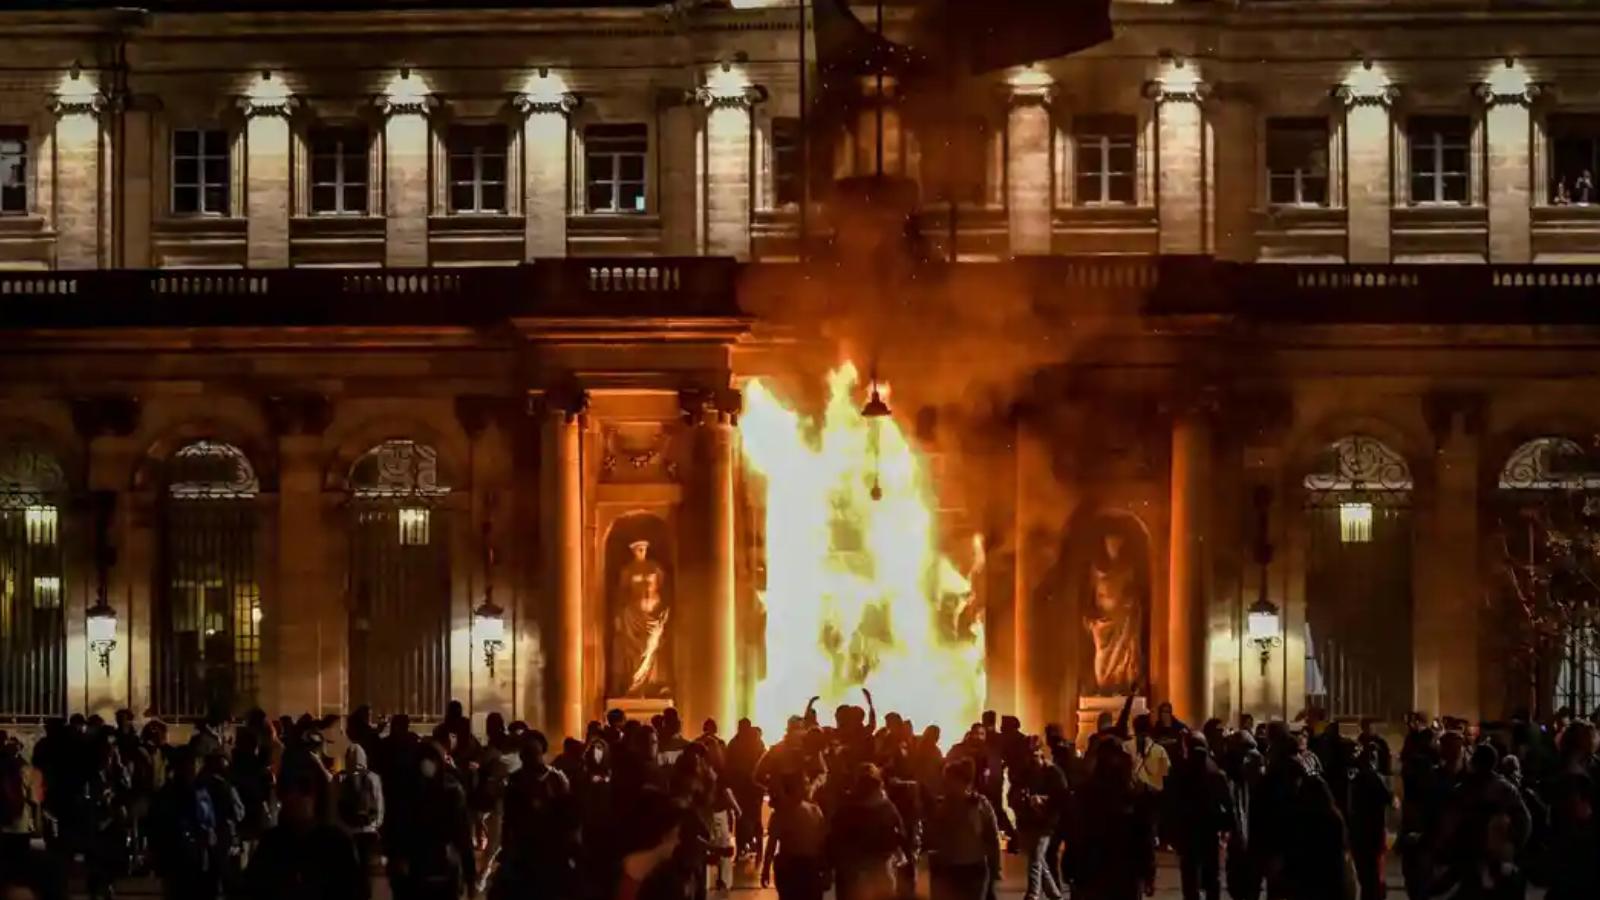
(614,221)
(30,224)
(202,222)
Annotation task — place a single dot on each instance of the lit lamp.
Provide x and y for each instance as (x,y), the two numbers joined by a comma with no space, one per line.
(489,624)
(102,628)
(1264,630)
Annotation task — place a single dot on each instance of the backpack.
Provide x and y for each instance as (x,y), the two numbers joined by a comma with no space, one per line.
(358,801)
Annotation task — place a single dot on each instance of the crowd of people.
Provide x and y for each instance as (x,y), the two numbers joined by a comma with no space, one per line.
(639,810)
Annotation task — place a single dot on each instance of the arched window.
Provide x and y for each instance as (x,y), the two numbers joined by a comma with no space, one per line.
(400,581)
(1546,505)
(207,651)
(33,670)
(1358,572)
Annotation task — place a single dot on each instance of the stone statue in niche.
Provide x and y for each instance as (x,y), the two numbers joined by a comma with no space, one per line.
(640,618)
(1118,590)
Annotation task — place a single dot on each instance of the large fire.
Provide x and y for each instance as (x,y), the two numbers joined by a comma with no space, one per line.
(857,591)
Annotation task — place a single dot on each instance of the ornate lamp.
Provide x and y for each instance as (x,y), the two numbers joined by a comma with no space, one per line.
(489,624)
(102,628)
(875,407)
(1263,627)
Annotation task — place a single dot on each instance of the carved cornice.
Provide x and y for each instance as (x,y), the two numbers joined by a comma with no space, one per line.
(1497,96)
(105,415)
(1350,96)
(569,402)
(747,97)
(1187,92)
(565,103)
(297,413)
(268,106)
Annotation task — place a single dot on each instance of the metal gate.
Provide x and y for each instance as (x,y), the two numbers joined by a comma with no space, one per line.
(208,610)
(1358,581)
(400,582)
(33,639)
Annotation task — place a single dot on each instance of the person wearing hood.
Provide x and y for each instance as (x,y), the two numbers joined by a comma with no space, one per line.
(540,844)
(866,839)
(1203,815)
(963,839)
(359,807)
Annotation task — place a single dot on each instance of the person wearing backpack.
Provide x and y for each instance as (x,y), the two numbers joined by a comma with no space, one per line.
(360,803)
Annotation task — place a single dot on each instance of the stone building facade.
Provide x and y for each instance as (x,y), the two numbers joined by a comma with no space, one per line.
(324,329)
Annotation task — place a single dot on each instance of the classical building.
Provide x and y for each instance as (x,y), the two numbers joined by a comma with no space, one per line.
(351,354)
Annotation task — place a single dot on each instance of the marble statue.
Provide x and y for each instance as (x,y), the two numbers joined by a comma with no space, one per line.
(1116,621)
(638,639)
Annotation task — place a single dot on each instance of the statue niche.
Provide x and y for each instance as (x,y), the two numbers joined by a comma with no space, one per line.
(639,586)
(1116,603)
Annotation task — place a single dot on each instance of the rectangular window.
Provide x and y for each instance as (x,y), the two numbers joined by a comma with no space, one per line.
(339,171)
(13,171)
(614,157)
(786,162)
(1439,159)
(200,171)
(1297,162)
(478,169)
(1103,159)
(1574,159)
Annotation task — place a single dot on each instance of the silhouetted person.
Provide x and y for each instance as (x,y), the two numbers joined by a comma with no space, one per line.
(183,833)
(539,841)
(303,857)
(866,834)
(963,839)
(1202,815)
(432,848)
(796,851)
(1112,839)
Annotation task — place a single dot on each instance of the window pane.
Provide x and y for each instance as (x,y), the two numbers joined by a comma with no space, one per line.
(1121,158)
(632,197)
(186,143)
(216,171)
(1422,189)
(355,168)
(1314,190)
(214,142)
(323,198)
(324,169)
(13,198)
(1282,189)
(1121,189)
(1089,188)
(216,198)
(494,198)
(1455,160)
(355,198)
(633,168)
(1455,189)
(597,166)
(1297,144)
(461,168)
(461,198)
(1088,158)
(600,197)
(1422,159)
(494,168)
(185,199)
(185,171)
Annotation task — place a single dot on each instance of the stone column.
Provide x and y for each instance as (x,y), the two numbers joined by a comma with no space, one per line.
(407,146)
(1187,668)
(78,207)
(111,556)
(303,619)
(1028,169)
(717,417)
(1445,625)
(1180,161)
(729,156)
(678,144)
(1509,125)
(266,191)
(1369,169)
(562,517)
(547,171)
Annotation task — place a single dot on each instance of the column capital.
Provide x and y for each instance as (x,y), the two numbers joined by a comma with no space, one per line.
(564,103)
(1177,92)
(393,104)
(745,97)
(569,403)
(1023,95)
(1367,95)
(1508,95)
(278,105)
(91,103)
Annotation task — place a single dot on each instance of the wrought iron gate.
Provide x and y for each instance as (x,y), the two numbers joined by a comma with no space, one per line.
(33,640)
(400,582)
(208,614)
(1358,581)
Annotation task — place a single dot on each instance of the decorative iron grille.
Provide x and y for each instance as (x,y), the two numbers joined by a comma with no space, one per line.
(1358,580)
(207,650)
(33,639)
(400,582)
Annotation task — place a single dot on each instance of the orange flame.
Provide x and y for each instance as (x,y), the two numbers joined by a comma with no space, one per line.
(857,593)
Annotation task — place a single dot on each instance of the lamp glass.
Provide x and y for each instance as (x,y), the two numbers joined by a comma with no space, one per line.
(1263,624)
(491,626)
(102,626)
(1355,523)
